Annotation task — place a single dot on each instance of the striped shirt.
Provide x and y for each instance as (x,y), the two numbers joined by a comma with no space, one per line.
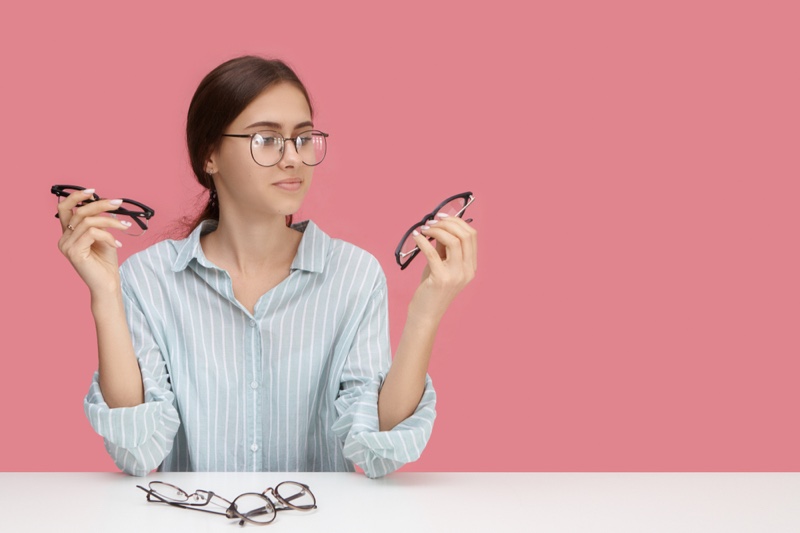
(291,387)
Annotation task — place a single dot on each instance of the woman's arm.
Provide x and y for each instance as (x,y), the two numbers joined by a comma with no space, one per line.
(451,266)
(90,248)
(138,436)
(119,374)
(130,406)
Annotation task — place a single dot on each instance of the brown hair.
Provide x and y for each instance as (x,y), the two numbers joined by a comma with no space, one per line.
(222,95)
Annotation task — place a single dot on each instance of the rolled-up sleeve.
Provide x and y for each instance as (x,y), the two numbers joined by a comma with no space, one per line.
(137,438)
(377,452)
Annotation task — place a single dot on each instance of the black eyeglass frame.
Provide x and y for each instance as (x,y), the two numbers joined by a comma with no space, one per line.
(398,253)
(232,511)
(146,212)
(283,145)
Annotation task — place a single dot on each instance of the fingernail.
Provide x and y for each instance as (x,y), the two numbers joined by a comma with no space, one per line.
(442,215)
(425,227)
(432,222)
(415,233)
(126,223)
(115,202)
(119,244)
(88,192)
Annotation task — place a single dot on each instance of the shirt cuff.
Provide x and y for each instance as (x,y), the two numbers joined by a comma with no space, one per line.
(381,452)
(137,438)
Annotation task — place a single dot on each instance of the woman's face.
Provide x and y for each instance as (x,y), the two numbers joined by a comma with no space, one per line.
(245,186)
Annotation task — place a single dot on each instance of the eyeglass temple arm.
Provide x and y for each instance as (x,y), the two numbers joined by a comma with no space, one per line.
(159,499)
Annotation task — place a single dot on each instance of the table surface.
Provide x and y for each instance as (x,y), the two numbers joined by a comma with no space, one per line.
(419,502)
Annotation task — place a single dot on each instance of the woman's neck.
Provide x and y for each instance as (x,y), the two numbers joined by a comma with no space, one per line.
(247,248)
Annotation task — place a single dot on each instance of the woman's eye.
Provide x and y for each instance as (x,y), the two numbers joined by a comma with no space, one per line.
(304,139)
(266,141)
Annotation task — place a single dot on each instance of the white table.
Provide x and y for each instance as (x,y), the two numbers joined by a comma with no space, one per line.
(420,502)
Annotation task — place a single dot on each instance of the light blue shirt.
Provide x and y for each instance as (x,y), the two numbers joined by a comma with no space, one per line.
(292,387)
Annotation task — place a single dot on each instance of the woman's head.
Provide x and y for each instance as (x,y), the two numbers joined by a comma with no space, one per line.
(220,100)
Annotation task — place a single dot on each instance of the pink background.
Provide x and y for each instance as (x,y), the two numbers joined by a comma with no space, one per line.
(636,175)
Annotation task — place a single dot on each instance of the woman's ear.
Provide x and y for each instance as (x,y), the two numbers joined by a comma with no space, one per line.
(210,166)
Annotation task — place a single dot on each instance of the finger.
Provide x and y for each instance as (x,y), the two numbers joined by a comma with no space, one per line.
(92,237)
(427,249)
(66,205)
(71,237)
(92,209)
(473,234)
(100,222)
(440,248)
(462,231)
(80,249)
(451,242)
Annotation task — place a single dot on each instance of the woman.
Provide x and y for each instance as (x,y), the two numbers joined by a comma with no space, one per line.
(254,344)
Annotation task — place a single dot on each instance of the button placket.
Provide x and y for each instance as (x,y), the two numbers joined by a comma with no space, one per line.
(255,370)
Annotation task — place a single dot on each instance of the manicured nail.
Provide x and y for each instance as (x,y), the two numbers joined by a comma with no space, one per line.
(115,202)
(126,223)
(442,215)
(415,233)
(425,227)
(432,222)
(88,192)
(119,244)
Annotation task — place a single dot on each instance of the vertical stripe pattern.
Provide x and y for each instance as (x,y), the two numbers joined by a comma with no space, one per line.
(291,387)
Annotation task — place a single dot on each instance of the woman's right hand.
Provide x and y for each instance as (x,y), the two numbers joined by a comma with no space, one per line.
(86,241)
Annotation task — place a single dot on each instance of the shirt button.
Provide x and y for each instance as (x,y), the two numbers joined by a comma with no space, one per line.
(254,447)
(252,323)
(254,385)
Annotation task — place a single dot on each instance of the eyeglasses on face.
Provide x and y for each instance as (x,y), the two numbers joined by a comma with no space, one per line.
(250,507)
(268,147)
(135,211)
(455,206)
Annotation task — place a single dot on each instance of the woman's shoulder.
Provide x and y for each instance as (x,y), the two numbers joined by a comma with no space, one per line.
(348,259)
(159,257)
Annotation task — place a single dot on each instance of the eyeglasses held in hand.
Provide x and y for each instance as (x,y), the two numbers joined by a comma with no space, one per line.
(137,212)
(267,147)
(250,507)
(455,206)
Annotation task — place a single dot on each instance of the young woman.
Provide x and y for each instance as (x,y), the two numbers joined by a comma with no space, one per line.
(254,344)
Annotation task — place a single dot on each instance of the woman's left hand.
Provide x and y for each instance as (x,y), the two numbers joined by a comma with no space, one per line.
(451,264)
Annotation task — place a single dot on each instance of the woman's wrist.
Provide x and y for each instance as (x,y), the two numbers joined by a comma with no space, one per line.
(423,318)
(104,299)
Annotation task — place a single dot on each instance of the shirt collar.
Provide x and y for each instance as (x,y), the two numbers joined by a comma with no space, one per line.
(310,256)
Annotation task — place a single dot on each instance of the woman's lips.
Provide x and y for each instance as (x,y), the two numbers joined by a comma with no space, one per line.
(289,185)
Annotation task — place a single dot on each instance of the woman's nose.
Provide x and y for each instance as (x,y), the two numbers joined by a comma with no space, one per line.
(290,155)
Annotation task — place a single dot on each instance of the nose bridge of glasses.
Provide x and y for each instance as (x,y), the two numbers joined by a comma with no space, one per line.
(293,142)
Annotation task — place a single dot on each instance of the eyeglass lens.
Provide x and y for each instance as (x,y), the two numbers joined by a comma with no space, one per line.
(267,147)
(169,492)
(137,222)
(295,495)
(255,507)
(452,208)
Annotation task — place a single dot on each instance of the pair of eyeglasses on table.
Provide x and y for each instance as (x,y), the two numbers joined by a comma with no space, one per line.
(455,206)
(131,210)
(249,508)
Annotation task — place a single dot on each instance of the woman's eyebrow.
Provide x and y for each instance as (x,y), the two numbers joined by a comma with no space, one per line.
(277,126)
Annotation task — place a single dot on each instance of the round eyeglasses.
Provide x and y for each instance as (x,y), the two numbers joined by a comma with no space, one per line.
(267,147)
(258,508)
